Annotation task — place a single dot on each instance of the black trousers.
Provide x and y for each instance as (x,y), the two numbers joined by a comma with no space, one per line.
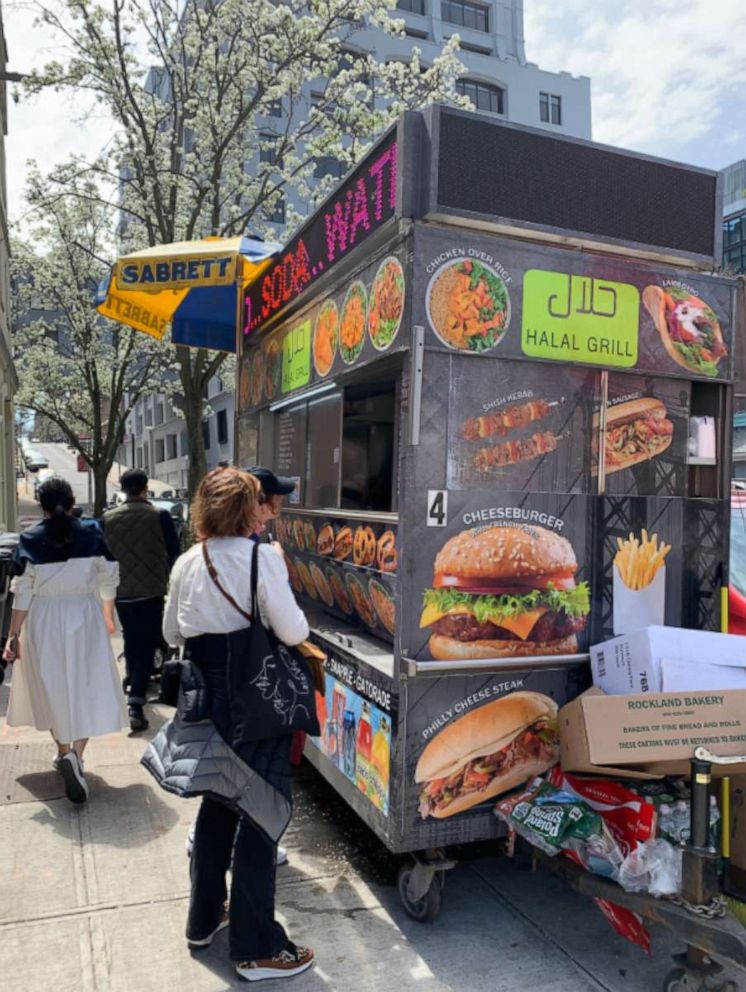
(141,622)
(220,831)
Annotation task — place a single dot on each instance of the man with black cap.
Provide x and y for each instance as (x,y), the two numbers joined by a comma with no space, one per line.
(274,488)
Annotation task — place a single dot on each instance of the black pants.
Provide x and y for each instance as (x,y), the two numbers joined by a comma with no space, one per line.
(254,932)
(141,625)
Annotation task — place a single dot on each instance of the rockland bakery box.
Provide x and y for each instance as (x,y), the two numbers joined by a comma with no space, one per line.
(653,734)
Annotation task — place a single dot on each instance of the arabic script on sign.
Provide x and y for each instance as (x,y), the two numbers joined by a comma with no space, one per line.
(296,357)
(579,318)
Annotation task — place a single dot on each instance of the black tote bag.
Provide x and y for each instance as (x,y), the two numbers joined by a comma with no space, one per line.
(270,686)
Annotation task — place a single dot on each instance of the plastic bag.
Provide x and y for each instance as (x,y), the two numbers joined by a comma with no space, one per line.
(655,867)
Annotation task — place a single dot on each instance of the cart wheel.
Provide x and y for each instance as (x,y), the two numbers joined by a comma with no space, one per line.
(426,909)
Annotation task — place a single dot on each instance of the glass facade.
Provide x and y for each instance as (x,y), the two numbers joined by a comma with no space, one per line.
(734,243)
(483,95)
(413,6)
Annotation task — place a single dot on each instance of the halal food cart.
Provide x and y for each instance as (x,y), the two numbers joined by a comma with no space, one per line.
(498,367)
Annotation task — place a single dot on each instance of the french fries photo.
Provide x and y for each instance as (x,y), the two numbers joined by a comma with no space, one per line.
(638,560)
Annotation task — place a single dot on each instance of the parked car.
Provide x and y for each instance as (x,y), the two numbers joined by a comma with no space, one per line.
(35,460)
(41,477)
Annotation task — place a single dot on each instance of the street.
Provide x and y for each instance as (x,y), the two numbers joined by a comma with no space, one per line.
(94,898)
(63,462)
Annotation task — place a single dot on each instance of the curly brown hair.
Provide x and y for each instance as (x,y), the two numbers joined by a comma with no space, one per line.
(225,504)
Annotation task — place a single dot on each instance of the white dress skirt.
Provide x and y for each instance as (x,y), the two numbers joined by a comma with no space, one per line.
(66,679)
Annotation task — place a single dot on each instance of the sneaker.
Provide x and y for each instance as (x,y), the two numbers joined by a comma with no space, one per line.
(190,840)
(70,768)
(282,855)
(292,961)
(206,941)
(137,717)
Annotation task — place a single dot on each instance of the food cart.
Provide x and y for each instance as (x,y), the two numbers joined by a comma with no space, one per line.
(492,360)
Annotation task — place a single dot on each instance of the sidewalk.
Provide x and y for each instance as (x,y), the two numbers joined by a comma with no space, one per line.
(94,898)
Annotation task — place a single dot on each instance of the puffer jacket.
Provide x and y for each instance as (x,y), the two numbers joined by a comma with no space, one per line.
(192,759)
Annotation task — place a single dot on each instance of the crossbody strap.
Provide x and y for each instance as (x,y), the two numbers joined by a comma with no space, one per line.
(212,571)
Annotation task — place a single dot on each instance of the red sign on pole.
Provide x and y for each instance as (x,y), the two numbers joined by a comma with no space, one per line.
(82,464)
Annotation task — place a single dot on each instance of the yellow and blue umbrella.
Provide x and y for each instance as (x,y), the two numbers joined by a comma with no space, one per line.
(193,286)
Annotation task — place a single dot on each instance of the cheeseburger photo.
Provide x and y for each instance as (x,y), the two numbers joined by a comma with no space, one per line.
(503,592)
(486,752)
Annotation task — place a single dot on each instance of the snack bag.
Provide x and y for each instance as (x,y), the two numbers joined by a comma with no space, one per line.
(554,820)
(628,816)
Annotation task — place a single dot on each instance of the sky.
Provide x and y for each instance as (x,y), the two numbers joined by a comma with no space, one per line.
(668,77)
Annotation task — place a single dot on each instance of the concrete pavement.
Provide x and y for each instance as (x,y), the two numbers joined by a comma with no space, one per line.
(93,898)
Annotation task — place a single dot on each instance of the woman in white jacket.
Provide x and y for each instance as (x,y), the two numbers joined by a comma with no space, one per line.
(64,678)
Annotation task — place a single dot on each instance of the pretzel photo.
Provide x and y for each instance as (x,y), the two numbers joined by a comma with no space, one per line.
(364,546)
(386,551)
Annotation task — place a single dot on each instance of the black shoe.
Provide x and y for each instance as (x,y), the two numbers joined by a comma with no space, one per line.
(137,718)
(70,768)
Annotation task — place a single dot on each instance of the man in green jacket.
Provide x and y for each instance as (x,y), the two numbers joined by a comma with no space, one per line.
(143,540)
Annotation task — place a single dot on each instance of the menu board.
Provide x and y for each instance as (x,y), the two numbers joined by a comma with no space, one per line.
(521,428)
(647,422)
(482,295)
(290,445)
(360,321)
(505,574)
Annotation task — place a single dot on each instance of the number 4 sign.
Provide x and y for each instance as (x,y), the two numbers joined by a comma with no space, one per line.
(437,508)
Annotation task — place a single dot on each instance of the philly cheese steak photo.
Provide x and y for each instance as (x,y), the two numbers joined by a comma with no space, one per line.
(486,752)
(503,592)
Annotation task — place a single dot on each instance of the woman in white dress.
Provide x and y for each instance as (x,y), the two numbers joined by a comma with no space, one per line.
(65,678)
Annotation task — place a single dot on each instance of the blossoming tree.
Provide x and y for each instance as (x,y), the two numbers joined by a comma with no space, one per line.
(224,109)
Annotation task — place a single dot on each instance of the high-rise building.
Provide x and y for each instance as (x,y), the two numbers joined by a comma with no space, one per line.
(498,80)
(8,380)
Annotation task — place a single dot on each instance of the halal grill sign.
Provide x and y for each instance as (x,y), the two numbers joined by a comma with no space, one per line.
(362,205)
(577,318)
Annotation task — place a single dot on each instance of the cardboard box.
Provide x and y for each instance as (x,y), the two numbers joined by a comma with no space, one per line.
(631,663)
(685,676)
(653,734)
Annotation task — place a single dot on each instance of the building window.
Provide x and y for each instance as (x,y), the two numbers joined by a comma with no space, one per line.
(158,413)
(268,149)
(148,418)
(327,165)
(413,6)
(550,108)
(465,13)
(275,214)
(138,457)
(184,443)
(734,243)
(206,433)
(171,446)
(160,452)
(222,427)
(274,109)
(484,96)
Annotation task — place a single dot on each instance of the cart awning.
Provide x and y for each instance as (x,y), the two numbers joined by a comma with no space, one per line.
(193,286)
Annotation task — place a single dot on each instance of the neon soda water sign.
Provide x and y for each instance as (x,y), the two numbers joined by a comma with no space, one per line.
(363,204)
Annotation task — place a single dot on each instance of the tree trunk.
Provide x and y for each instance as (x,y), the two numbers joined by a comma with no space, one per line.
(100,476)
(193,415)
